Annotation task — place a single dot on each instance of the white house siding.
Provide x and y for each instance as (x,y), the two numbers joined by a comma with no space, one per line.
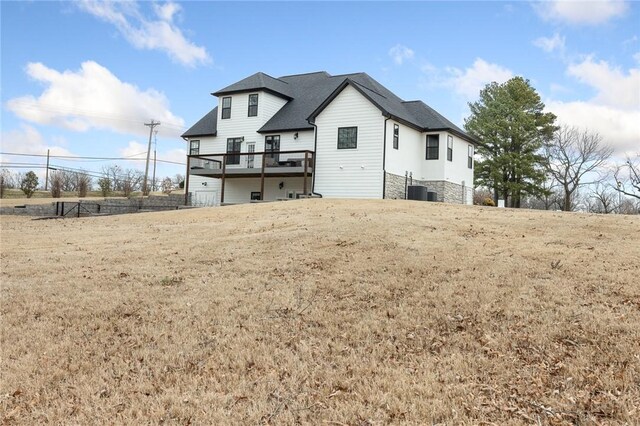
(407,158)
(349,173)
(458,172)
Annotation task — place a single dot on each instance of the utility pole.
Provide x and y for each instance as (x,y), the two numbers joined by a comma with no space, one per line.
(155,148)
(145,188)
(46,179)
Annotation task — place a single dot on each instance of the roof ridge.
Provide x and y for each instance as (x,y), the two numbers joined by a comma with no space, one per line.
(304,73)
(365,87)
(274,78)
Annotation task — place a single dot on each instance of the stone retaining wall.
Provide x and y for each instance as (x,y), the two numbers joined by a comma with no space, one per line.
(61,207)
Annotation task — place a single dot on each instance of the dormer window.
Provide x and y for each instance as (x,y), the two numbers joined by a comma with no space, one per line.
(253,105)
(226,107)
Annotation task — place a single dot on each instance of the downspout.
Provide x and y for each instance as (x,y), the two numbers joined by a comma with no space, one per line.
(384,158)
(186,176)
(315,153)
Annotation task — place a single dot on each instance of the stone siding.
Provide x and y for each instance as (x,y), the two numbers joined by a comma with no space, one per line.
(447,192)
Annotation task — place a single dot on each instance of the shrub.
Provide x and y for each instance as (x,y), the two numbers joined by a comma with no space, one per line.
(56,184)
(84,182)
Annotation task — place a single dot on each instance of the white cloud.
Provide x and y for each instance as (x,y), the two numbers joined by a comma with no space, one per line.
(400,53)
(28,140)
(578,12)
(470,81)
(614,87)
(93,98)
(614,111)
(620,128)
(151,34)
(550,44)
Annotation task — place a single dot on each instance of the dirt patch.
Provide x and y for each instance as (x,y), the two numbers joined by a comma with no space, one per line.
(322,311)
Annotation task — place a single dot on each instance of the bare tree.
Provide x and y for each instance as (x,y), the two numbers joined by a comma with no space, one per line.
(571,154)
(602,199)
(627,177)
(113,172)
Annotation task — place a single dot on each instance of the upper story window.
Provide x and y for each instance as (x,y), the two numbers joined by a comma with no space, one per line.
(433,147)
(470,157)
(253,105)
(396,136)
(347,137)
(449,147)
(194,147)
(226,107)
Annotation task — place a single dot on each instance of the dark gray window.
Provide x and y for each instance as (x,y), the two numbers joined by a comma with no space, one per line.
(226,107)
(449,147)
(194,147)
(253,105)
(396,136)
(433,147)
(256,196)
(470,157)
(233,147)
(272,149)
(347,137)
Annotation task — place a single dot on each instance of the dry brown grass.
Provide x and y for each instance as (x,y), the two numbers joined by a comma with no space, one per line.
(323,312)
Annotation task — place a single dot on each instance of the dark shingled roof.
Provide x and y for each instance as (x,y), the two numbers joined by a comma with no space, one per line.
(258,81)
(206,126)
(308,94)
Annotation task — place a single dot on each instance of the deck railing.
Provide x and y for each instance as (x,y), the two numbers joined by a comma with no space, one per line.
(265,163)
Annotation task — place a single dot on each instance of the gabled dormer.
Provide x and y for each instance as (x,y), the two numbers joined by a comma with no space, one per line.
(251,102)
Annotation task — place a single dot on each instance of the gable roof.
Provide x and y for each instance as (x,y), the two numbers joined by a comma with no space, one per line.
(308,94)
(258,81)
(206,126)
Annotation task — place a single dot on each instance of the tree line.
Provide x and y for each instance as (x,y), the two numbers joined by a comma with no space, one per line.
(112,180)
(529,159)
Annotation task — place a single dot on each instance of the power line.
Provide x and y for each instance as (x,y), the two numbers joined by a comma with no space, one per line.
(71,157)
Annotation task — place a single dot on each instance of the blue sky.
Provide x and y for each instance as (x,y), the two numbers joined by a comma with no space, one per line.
(82,78)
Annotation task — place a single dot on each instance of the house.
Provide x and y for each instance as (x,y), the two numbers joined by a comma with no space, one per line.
(342,136)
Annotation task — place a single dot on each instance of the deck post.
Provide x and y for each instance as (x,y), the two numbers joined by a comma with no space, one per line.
(304,180)
(262,178)
(186,182)
(224,169)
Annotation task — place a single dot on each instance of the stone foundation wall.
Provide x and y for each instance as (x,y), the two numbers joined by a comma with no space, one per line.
(106,206)
(447,192)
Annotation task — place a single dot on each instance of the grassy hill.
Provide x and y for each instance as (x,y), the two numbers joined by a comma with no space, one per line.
(322,312)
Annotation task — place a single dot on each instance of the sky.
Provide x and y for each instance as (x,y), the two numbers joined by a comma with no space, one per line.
(82,78)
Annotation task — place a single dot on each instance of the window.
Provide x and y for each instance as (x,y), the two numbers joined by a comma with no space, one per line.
(449,147)
(272,148)
(253,105)
(396,136)
(347,137)
(433,146)
(256,196)
(194,147)
(470,157)
(226,107)
(233,147)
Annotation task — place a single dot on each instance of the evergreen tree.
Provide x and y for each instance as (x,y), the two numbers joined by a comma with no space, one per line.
(29,184)
(509,123)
